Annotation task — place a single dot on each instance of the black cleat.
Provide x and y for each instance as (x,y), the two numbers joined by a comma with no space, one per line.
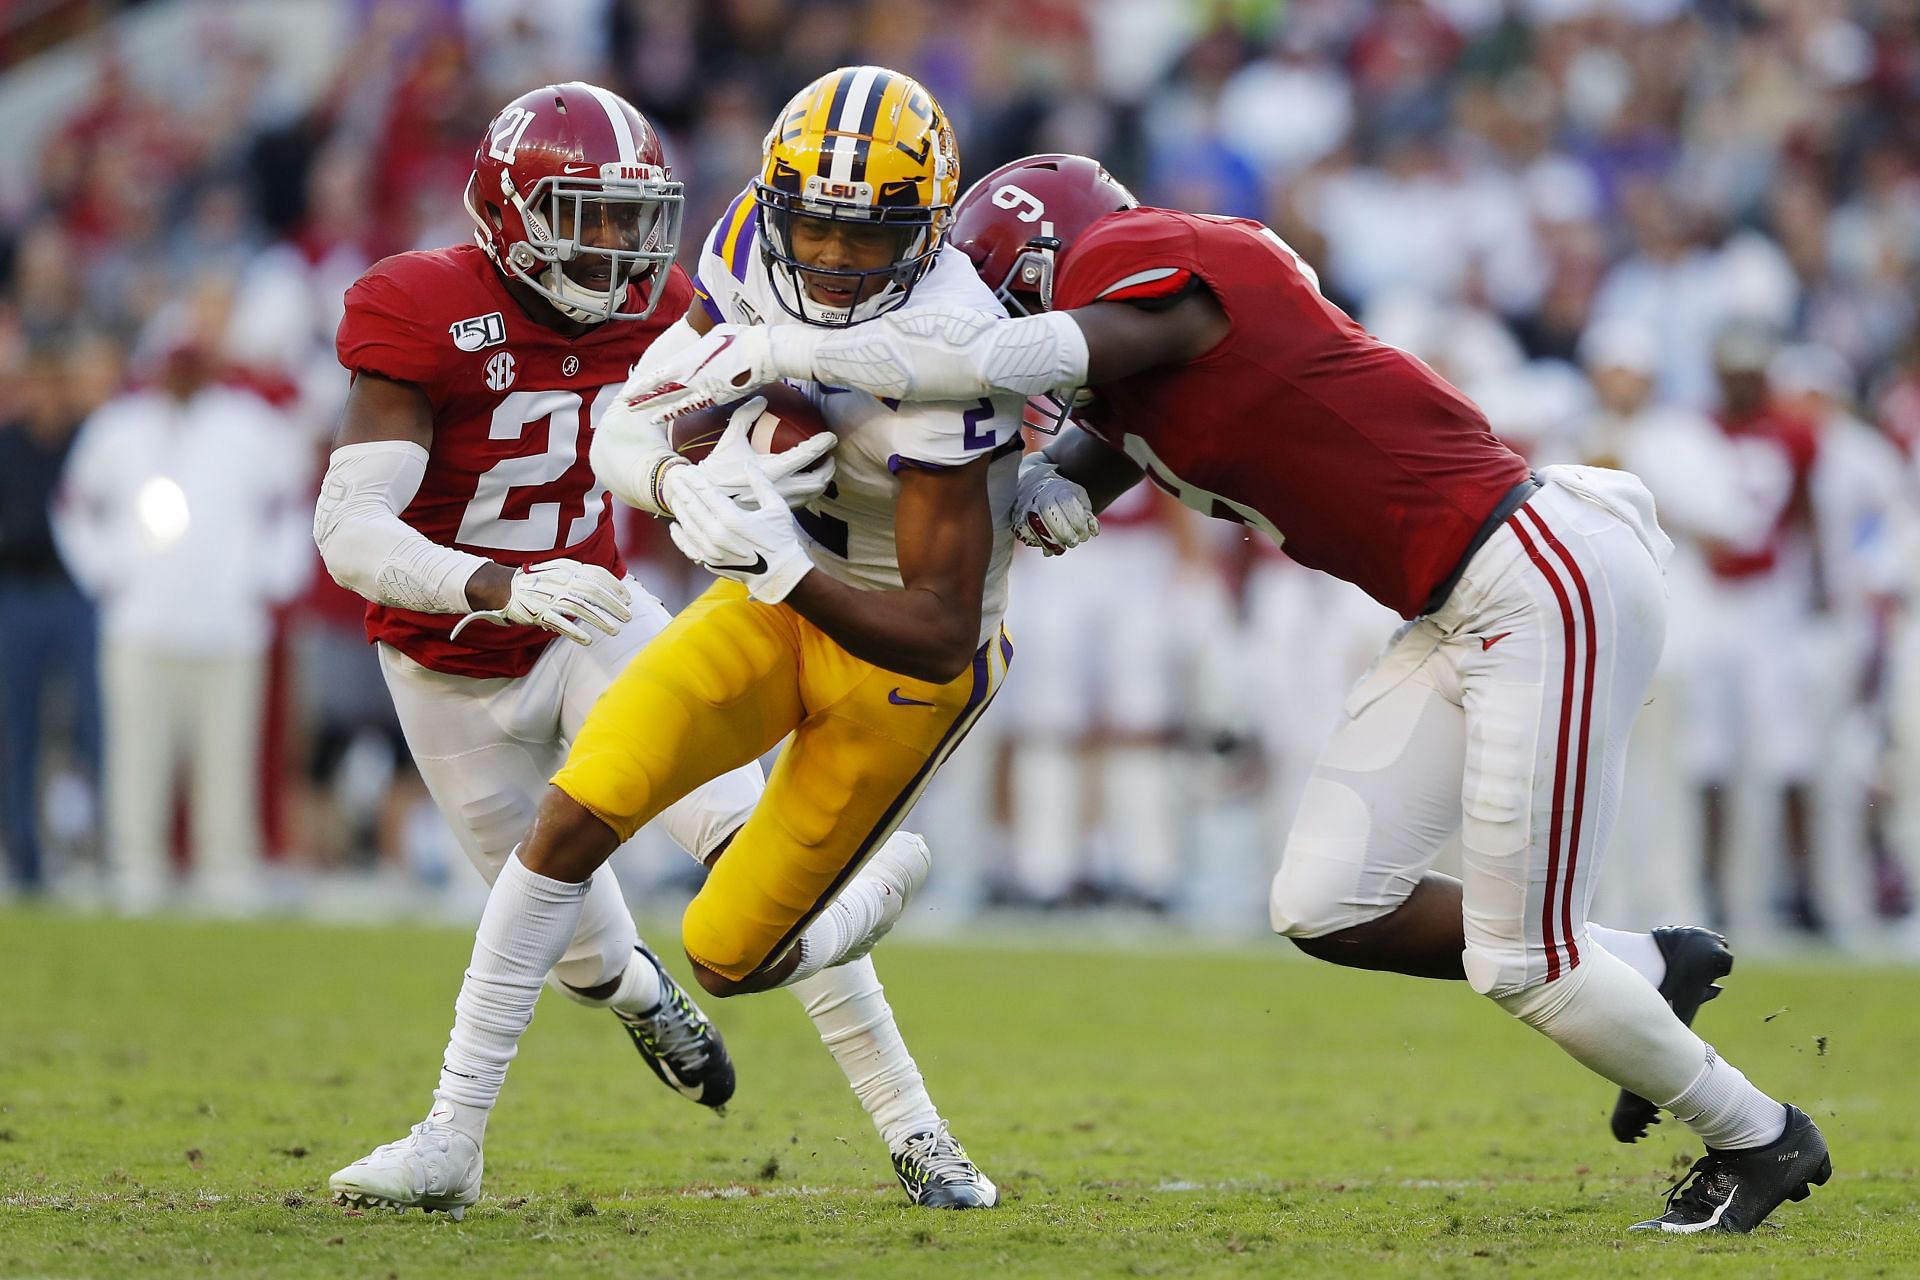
(1734,1191)
(937,1174)
(1696,960)
(681,1046)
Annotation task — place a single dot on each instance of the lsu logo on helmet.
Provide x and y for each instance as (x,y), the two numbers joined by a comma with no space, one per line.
(859,145)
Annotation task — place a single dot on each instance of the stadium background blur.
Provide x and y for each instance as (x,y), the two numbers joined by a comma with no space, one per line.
(1607,220)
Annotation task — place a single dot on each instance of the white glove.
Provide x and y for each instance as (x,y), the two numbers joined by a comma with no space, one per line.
(793,473)
(559,595)
(753,541)
(729,360)
(1050,511)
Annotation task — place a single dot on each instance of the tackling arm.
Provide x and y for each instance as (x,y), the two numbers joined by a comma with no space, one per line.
(1103,472)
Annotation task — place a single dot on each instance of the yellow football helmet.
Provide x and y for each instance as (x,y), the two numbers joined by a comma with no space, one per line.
(862,145)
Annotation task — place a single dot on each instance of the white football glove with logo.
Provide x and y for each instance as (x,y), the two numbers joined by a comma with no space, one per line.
(728,360)
(1050,511)
(560,596)
(752,540)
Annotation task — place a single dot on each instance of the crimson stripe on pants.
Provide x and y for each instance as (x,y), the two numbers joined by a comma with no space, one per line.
(1586,726)
(1560,751)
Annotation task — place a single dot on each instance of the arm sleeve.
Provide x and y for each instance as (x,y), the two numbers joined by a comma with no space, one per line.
(368,548)
(631,453)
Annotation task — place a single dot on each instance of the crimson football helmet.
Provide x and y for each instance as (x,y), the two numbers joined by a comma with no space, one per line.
(571,196)
(1013,222)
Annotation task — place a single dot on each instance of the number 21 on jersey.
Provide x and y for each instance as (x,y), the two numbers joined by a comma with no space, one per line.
(565,418)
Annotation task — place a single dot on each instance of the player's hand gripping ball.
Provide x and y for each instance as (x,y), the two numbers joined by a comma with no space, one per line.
(782,425)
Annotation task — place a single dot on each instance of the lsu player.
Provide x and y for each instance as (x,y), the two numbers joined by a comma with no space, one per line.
(460,503)
(1208,359)
(866,632)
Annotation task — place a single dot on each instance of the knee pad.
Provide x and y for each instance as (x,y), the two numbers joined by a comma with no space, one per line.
(718,939)
(1323,885)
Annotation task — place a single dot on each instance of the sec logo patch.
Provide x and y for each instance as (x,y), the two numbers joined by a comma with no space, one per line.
(570,366)
(500,371)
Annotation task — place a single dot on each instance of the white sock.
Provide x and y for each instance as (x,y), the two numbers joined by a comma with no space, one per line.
(1614,1024)
(639,990)
(523,932)
(851,1013)
(1639,950)
(603,942)
(1726,1111)
(843,927)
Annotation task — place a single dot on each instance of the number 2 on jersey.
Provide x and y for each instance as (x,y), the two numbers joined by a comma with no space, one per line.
(485,522)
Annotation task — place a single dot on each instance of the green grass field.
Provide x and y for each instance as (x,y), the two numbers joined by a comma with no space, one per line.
(173,1097)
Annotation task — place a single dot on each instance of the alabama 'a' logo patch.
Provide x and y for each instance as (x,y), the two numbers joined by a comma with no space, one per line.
(500,371)
(477,333)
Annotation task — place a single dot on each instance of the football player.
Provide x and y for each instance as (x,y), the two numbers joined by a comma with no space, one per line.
(460,503)
(866,632)
(1207,359)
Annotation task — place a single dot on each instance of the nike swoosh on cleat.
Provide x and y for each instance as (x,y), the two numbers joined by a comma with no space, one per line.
(759,565)
(899,699)
(1689,1228)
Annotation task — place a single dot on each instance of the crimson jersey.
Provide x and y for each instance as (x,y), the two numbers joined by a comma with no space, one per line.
(1356,455)
(1798,443)
(513,402)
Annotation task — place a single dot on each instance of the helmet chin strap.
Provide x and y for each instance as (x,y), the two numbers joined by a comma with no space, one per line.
(575,300)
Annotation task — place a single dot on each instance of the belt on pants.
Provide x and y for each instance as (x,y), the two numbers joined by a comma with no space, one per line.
(1510,502)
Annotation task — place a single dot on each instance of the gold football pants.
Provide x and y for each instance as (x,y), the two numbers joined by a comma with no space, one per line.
(722,685)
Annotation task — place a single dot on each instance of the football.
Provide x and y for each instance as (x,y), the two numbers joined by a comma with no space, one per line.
(789,419)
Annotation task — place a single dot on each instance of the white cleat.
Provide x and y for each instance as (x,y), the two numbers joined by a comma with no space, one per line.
(434,1167)
(897,870)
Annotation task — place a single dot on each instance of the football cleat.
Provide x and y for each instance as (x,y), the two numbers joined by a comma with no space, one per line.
(678,1042)
(435,1167)
(937,1174)
(1696,960)
(1734,1191)
(900,866)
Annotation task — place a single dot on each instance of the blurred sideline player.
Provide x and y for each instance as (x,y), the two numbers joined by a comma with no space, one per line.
(1862,510)
(461,486)
(1093,713)
(868,630)
(1204,355)
(1751,701)
(1683,459)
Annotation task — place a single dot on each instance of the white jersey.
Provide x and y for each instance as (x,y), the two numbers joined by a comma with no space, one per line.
(849,533)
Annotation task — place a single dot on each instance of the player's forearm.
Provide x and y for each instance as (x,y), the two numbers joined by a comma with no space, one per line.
(913,631)
(1103,472)
(938,353)
(631,455)
(370,550)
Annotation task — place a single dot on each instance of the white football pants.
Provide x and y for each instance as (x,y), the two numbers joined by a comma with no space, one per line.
(1504,717)
(486,749)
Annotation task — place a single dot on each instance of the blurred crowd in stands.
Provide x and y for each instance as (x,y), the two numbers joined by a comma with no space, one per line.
(1678,237)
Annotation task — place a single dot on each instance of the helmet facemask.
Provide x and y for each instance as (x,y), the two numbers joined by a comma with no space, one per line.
(915,232)
(588,238)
